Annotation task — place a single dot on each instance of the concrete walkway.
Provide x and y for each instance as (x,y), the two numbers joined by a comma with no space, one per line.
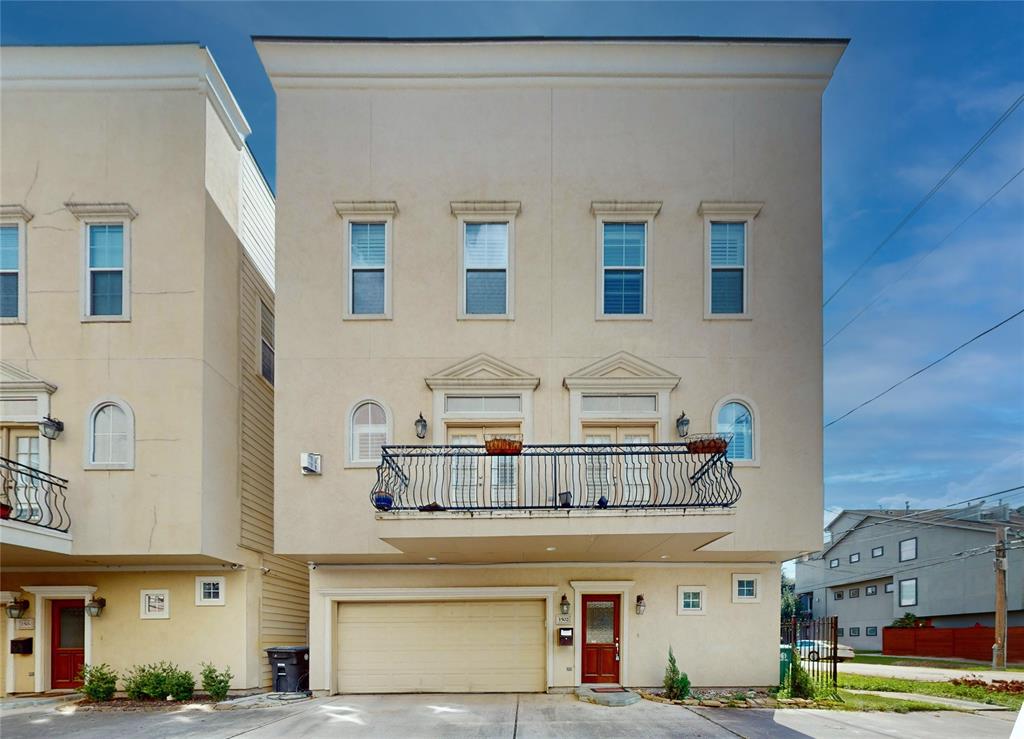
(928,674)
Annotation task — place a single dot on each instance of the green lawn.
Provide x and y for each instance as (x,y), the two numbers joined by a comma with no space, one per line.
(867,658)
(857,702)
(898,685)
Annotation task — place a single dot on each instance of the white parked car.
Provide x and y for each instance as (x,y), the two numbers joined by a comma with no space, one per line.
(822,650)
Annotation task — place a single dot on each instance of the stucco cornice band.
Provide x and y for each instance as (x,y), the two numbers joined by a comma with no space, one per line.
(625,207)
(508,208)
(366,207)
(101,210)
(715,208)
(15,211)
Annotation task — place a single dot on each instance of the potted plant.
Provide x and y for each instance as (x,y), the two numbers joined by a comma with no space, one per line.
(5,505)
(565,499)
(503,444)
(382,500)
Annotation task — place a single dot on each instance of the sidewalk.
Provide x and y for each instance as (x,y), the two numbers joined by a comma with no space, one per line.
(928,674)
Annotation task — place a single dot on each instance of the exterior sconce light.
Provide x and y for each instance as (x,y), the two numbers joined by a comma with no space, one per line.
(641,605)
(50,427)
(94,607)
(17,608)
(564,605)
(682,425)
(421,427)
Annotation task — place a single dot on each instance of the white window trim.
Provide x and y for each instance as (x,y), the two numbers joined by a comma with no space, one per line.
(90,214)
(726,212)
(899,593)
(622,211)
(736,577)
(220,581)
(487,211)
(899,550)
(702,589)
(366,211)
(128,464)
(755,437)
(350,461)
(17,216)
(155,616)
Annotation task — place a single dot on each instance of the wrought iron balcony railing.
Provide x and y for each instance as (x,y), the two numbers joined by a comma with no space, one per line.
(695,474)
(33,496)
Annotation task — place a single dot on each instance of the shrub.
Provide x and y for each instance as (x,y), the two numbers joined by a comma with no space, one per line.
(99,682)
(677,684)
(907,621)
(159,681)
(216,682)
(798,682)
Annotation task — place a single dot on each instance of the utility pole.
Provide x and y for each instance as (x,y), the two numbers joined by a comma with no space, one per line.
(999,648)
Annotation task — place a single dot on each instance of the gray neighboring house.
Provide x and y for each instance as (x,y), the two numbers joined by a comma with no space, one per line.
(881,564)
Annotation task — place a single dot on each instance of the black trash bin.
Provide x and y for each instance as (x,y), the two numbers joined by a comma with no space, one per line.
(289,669)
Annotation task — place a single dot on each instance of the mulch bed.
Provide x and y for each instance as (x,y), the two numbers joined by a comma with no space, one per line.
(128,705)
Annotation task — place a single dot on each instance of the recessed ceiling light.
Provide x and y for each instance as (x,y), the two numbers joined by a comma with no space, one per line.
(550,549)
(432,559)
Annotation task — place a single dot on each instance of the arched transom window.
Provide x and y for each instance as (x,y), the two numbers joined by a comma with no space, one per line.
(368,433)
(736,418)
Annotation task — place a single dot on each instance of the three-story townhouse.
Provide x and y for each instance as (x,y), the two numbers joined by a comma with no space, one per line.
(136,383)
(525,288)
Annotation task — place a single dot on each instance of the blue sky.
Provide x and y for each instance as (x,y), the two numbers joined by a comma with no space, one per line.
(919,84)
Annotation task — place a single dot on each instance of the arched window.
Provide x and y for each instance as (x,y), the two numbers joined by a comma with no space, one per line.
(369,431)
(737,419)
(111,437)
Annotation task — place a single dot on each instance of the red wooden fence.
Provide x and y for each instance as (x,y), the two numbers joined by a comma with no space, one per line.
(974,642)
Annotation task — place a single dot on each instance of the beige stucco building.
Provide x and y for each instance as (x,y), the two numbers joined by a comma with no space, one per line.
(575,242)
(138,311)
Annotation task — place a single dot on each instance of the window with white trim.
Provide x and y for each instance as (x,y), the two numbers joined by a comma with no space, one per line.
(368,263)
(210,591)
(368,432)
(485,268)
(12,272)
(737,419)
(266,343)
(908,592)
(692,600)
(728,267)
(746,588)
(624,268)
(111,436)
(106,265)
(908,549)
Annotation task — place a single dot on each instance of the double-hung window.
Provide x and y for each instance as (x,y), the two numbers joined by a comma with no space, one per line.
(12,272)
(105,284)
(368,268)
(727,229)
(485,269)
(624,269)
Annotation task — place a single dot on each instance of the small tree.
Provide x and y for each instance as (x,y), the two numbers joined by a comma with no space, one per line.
(677,684)
(216,682)
(99,682)
(907,621)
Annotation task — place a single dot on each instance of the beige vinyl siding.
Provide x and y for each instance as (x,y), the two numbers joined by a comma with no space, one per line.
(442,647)
(256,217)
(284,608)
(257,453)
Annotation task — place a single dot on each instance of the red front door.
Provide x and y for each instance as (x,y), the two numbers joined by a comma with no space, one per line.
(67,646)
(601,638)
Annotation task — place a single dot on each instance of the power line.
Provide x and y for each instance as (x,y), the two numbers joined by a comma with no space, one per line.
(924,256)
(944,357)
(921,203)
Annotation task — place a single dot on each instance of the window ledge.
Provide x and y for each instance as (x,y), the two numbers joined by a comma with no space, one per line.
(106,319)
(12,319)
(366,317)
(624,317)
(727,316)
(746,462)
(351,465)
(108,467)
(484,317)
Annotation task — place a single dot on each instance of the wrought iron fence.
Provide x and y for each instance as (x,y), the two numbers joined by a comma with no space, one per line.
(815,645)
(33,496)
(556,476)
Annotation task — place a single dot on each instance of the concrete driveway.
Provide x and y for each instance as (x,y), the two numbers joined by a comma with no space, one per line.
(928,674)
(522,716)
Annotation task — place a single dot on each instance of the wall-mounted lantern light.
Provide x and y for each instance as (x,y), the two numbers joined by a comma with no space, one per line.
(564,605)
(17,607)
(50,427)
(682,425)
(421,427)
(94,606)
(641,605)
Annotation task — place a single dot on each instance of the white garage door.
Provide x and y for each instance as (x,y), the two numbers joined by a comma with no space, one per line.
(441,647)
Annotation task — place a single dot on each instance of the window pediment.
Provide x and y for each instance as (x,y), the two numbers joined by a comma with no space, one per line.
(621,370)
(482,371)
(13,378)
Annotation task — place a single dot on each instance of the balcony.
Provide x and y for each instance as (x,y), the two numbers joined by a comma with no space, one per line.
(557,477)
(33,509)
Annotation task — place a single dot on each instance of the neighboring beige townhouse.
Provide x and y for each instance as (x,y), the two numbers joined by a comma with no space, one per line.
(136,383)
(597,257)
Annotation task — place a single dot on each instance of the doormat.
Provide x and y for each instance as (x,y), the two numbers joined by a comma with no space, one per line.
(609,690)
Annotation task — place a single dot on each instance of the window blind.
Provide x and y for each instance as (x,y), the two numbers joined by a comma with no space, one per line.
(728,244)
(486,263)
(734,418)
(368,245)
(9,271)
(624,259)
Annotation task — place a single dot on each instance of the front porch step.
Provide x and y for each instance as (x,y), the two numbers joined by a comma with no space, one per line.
(618,698)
